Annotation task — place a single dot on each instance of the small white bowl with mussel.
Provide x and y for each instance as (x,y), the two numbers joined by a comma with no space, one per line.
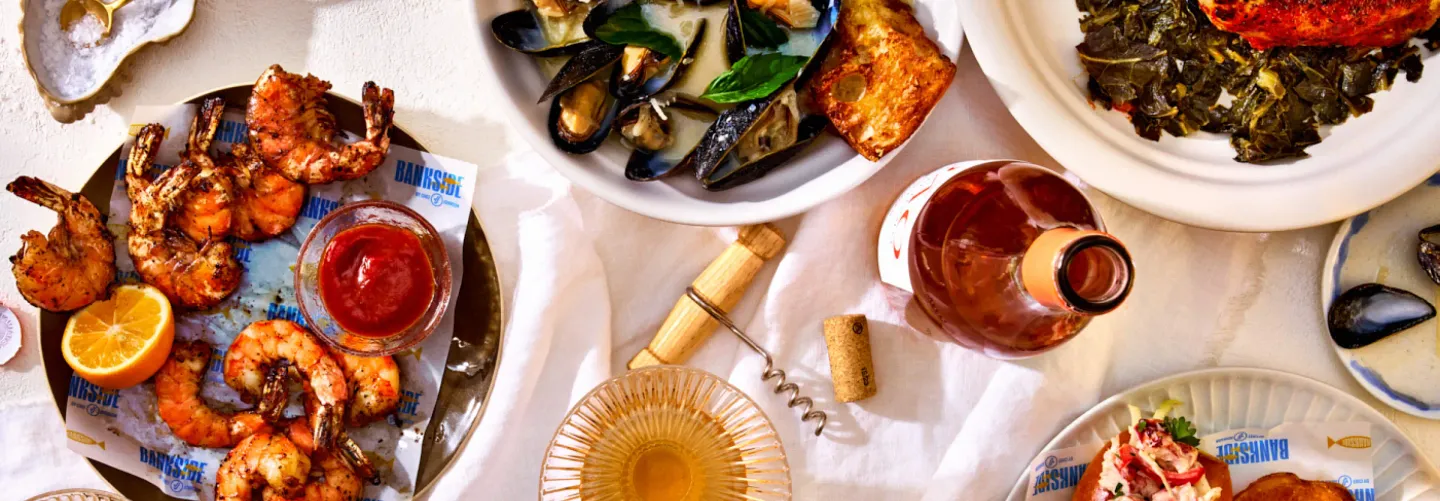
(700,111)
(1377,289)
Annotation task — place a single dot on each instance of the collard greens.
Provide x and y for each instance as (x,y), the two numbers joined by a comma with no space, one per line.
(1165,65)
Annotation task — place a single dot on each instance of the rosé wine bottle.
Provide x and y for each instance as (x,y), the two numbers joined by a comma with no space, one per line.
(1006,258)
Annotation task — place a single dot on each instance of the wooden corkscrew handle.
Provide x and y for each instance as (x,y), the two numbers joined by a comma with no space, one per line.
(724,282)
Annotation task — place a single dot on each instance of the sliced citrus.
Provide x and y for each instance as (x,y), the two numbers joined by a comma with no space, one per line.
(122,341)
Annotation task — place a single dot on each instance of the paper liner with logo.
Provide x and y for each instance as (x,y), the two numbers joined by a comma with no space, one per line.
(121,428)
(1335,452)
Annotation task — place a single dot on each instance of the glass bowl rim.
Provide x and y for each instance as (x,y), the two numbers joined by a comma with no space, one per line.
(442,275)
(759,411)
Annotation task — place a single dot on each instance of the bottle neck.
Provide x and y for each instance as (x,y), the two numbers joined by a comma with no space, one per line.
(1079,271)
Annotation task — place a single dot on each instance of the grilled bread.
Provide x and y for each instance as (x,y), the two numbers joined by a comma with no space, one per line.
(1288,487)
(882,78)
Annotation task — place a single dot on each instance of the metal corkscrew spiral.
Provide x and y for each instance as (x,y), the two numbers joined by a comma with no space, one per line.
(807,411)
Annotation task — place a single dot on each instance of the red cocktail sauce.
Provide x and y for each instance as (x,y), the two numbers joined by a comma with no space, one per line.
(376,279)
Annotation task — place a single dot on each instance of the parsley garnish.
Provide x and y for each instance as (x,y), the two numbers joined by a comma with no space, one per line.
(1143,424)
(1181,431)
(1119,489)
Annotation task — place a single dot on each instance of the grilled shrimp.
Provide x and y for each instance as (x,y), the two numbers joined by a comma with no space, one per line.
(330,480)
(177,388)
(267,346)
(374,387)
(268,202)
(189,273)
(293,132)
(206,208)
(262,463)
(76,265)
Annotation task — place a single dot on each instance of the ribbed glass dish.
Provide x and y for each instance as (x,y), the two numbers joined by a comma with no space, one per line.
(665,434)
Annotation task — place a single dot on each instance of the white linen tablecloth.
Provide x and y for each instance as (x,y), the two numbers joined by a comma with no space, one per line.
(587,283)
(593,283)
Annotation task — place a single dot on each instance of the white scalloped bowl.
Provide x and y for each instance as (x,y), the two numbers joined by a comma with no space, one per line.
(824,171)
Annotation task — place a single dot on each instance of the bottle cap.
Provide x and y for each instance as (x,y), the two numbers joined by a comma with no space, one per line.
(847,338)
(1080,271)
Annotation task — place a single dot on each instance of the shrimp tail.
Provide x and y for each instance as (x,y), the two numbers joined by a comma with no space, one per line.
(379,106)
(356,459)
(142,156)
(41,192)
(273,395)
(204,126)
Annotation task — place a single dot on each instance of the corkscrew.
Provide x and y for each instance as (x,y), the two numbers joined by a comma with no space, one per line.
(706,300)
(808,413)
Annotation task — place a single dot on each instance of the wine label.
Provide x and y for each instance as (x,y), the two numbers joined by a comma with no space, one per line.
(893,252)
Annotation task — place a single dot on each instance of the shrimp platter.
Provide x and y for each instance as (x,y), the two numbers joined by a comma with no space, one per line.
(249,394)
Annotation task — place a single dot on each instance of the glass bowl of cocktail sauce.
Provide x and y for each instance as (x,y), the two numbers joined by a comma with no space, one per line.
(373,278)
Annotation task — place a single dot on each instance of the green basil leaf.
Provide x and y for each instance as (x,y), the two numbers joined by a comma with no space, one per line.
(754,77)
(761,31)
(627,26)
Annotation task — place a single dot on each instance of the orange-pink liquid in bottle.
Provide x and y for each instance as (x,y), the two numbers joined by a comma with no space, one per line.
(1009,258)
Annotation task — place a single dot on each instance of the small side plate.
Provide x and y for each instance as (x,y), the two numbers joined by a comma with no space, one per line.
(1380,246)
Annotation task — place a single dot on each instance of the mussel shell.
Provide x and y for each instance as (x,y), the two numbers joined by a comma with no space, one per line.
(667,76)
(520,30)
(1370,312)
(736,47)
(1429,252)
(601,13)
(595,140)
(594,57)
(645,165)
(731,173)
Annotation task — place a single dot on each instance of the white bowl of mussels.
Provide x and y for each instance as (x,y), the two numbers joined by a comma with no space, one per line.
(689,111)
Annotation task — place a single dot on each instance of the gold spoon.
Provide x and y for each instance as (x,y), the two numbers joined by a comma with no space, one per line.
(75,10)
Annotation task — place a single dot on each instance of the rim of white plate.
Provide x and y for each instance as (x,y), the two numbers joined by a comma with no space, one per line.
(1329,272)
(1338,182)
(602,172)
(1104,410)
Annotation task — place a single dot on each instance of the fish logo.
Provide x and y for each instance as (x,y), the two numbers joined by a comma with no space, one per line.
(84,439)
(1350,442)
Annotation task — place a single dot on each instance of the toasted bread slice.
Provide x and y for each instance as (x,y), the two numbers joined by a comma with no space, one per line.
(882,78)
(1288,487)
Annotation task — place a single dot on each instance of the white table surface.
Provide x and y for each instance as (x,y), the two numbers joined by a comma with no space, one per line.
(427,51)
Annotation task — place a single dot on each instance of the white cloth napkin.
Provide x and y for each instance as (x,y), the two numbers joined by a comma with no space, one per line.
(587,285)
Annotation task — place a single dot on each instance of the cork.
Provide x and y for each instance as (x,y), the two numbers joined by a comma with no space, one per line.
(848,339)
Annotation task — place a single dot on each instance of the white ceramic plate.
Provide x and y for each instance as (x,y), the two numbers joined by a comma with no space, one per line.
(1027,49)
(1228,398)
(826,170)
(1402,370)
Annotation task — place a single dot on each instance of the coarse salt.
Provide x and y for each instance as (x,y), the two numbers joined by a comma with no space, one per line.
(75,62)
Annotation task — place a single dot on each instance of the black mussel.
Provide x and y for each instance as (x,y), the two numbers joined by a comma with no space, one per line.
(734,34)
(751,139)
(1429,252)
(808,19)
(601,13)
(643,72)
(520,30)
(582,116)
(1370,312)
(594,58)
(662,135)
